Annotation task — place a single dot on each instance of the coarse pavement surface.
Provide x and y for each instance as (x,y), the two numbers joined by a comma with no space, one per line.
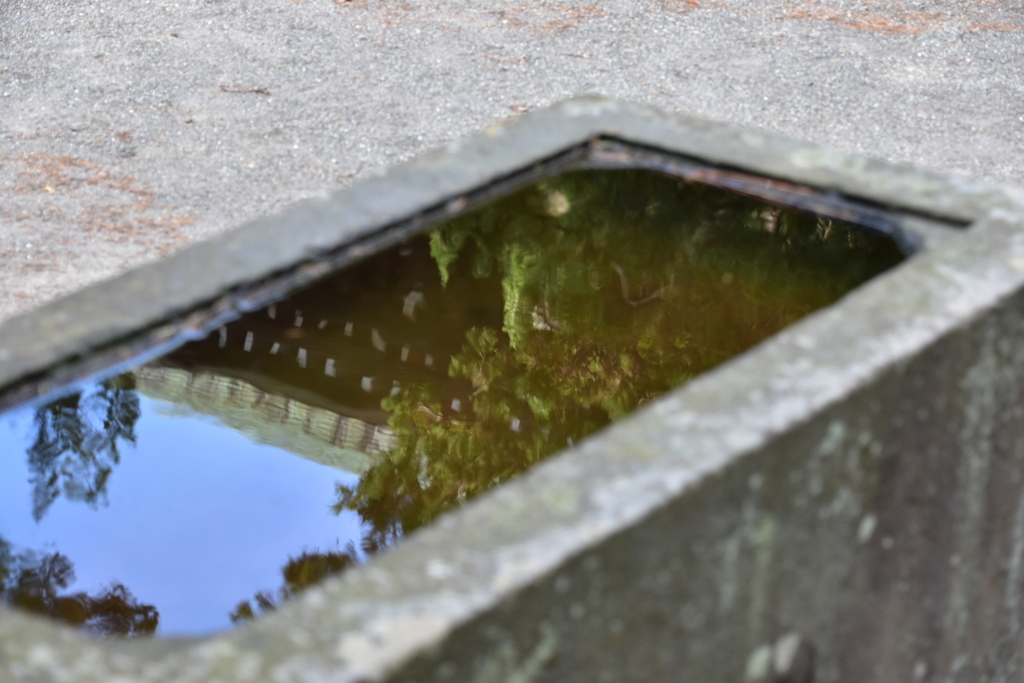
(130,128)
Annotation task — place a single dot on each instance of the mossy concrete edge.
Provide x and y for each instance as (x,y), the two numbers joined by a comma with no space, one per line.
(759,500)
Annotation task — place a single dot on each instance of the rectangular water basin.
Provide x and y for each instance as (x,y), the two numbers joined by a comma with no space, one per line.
(416,378)
(285,401)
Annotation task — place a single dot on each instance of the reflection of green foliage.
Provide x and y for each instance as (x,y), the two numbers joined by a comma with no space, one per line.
(34,582)
(299,574)
(617,287)
(6,560)
(76,443)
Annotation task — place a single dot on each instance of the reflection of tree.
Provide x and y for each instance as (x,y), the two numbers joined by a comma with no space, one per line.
(33,582)
(299,574)
(76,443)
(617,287)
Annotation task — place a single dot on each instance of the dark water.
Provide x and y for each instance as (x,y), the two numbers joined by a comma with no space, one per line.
(207,487)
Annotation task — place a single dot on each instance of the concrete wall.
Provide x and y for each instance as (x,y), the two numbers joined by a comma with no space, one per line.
(844,501)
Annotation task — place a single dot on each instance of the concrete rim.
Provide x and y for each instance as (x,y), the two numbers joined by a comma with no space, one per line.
(373,621)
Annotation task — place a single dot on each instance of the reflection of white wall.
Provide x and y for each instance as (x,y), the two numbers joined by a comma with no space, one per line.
(313,433)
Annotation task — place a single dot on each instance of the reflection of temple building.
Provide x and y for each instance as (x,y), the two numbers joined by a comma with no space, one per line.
(309,373)
(314,433)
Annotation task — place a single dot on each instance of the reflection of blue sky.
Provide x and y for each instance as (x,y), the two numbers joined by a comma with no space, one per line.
(199,518)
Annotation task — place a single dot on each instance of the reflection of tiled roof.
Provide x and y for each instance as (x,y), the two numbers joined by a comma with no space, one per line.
(313,433)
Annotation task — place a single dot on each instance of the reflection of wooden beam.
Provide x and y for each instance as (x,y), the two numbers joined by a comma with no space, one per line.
(322,364)
(313,433)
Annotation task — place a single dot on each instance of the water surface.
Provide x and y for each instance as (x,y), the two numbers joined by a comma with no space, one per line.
(205,488)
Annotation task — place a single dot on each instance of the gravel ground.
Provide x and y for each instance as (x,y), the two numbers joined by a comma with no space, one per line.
(129,128)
